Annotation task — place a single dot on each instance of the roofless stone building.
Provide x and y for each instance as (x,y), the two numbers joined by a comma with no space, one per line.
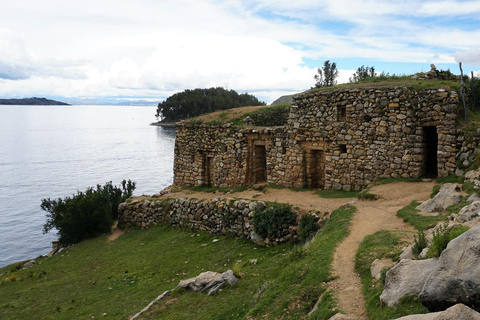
(332,139)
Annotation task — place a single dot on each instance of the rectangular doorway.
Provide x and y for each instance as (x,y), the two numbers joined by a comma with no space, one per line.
(430,138)
(315,161)
(208,170)
(259,164)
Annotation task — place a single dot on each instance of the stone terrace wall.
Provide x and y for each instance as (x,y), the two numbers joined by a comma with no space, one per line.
(226,217)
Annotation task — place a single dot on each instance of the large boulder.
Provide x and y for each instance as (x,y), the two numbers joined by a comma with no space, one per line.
(378,265)
(456,277)
(468,213)
(447,196)
(457,312)
(406,278)
(212,281)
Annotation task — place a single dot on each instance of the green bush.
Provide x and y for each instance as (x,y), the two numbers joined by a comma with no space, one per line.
(439,241)
(268,222)
(85,214)
(419,244)
(308,226)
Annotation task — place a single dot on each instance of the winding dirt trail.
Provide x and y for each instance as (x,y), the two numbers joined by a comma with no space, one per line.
(371,216)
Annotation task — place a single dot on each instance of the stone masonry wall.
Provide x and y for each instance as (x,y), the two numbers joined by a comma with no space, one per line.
(334,139)
(381,130)
(226,217)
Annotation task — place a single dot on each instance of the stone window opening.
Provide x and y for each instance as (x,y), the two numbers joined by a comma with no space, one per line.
(342,113)
(343,148)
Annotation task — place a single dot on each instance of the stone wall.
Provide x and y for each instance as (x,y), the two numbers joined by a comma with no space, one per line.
(367,134)
(225,217)
(334,139)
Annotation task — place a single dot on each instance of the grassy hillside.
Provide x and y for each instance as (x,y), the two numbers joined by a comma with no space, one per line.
(121,277)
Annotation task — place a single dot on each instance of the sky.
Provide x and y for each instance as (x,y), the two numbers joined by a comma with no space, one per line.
(103,50)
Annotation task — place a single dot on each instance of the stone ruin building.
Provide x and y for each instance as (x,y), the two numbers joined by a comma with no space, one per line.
(333,139)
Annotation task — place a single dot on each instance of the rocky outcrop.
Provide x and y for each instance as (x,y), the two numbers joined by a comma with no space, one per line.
(456,277)
(216,216)
(406,278)
(447,196)
(457,312)
(468,213)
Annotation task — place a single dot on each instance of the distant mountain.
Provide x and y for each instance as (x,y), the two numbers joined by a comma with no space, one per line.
(33,101)
(283,100)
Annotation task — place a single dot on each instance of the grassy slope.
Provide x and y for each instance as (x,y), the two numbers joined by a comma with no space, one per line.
(120,278)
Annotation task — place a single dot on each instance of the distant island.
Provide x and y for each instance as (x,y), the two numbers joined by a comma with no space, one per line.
(32,101)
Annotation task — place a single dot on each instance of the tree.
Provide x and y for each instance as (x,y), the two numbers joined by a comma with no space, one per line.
(326,76)
(86,214)
(363,73)
(192,103)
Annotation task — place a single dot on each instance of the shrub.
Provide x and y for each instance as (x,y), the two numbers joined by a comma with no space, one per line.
(268,222)
(419,244)
(85,214)
(442,236)
(439,241)
(308,226)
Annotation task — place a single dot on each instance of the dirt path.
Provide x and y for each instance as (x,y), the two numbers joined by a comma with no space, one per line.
(303,200)
(372,216)
(115,233)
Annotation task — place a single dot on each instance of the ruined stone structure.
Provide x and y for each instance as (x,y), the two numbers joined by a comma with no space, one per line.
(333,139)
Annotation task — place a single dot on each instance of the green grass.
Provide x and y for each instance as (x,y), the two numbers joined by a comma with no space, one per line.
(449,179)
(331,194)
(468,187)
(382,244)
(265,117)
(401,80)
(120,278)
(455,208)
(294,292)
(420,222)
(436,189)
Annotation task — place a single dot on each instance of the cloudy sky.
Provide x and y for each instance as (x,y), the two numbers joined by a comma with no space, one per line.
(150,49)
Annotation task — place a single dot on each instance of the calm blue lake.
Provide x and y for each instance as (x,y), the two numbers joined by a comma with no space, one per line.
(53,151)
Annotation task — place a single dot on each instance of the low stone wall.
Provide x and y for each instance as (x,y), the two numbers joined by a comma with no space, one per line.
(217,216)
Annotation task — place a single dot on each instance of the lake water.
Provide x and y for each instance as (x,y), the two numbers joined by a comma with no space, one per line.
(53,151)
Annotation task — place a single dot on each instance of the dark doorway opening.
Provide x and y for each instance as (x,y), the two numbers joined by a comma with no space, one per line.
(315,161)
(208,179)
(259,164)
(430,137)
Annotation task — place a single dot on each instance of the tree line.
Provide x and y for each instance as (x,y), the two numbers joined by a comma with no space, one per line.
(192,103)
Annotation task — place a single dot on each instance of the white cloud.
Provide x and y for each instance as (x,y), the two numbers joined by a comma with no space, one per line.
(153,48)
(471,57)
